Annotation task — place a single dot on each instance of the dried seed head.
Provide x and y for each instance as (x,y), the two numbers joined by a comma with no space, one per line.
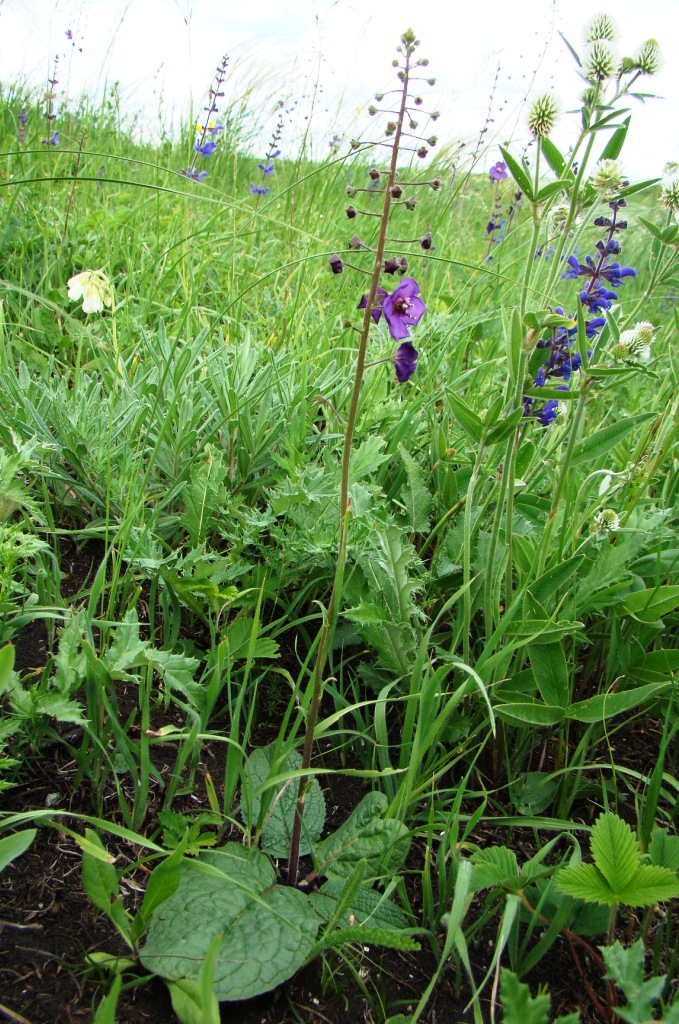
(374,174)
(396,192)
(435,184)
(351,191)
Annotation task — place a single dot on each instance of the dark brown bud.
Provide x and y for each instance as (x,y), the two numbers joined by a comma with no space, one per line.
(402,265)
(422,152)
(396,192)
(372,110)
(391,266)
(355,243)
(374,174)
(336,264)
(418,101)
(435,184)
(425,242)
(411,203)
(350,212)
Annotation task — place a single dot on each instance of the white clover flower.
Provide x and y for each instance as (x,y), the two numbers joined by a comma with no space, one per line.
(669,194)
(94,288)
(559,215)
(608,178)
(601,26)
(636,343)
(607,521)
(600,61)
(542,115)
(648,58)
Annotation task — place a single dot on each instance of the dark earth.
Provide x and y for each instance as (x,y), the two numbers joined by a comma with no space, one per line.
(48,925)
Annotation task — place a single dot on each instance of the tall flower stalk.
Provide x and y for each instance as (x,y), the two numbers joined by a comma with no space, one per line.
(402,310)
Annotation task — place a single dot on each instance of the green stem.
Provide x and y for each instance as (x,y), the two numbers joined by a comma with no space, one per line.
(345,500)
(467,549)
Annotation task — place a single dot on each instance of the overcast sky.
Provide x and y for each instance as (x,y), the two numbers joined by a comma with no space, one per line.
(337,54)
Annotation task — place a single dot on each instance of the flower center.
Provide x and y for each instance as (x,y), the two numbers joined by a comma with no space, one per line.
(401,306)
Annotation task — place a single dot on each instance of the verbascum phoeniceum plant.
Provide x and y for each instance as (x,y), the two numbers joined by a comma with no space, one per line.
(400,308)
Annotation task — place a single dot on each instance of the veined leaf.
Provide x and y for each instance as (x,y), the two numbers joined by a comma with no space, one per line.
(615,850)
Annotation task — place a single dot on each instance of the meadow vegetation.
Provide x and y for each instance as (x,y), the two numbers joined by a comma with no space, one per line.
(339,576)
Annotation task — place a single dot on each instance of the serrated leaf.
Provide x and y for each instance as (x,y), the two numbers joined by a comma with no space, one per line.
(650,885)
(416,496)
(280,801)
(664,849)
(518,1006)
(365,835)
(585,883)
(626,968)
(267,930)
(492,867)
(615,851)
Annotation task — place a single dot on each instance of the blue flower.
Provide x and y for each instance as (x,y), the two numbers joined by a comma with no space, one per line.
(267,168)
(498,171)
(207,149)
(194,174)
(403,309)
(257,190)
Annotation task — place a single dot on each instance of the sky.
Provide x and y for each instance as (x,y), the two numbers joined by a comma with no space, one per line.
(325,59)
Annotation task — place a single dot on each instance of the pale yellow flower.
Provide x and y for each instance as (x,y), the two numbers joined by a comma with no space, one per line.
(94,288)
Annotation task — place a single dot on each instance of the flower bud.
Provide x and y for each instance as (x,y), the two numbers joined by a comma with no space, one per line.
(347,324)
(542,116)
(396,192)
(432,140)
(391,266)
(350,212)
(422,152)
(435,184)
(356,243)
(431,81)
(435,116)
(379,96)
(669,195)
(372,110)
(355,144)
(423,61)
(374,174)
(394,63)
(414,124)
(391,128)
(336,264)
(411,203)
(426,241)
(401,76)
(418,101)
(351,191)
(402,265)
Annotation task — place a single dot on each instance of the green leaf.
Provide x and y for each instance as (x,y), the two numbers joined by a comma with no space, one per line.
(518,1006)
(13,846)
(416,496)
(664,849)
(6,666)
(163,880)
(513,332)
(187,1003)
(650,885)
(100,879)
(529,712)
(365,835)
(650,605)
(518,173)
(280,801)
(552,188)
(606,705)
(626,968)
(585,883)
(548,662)
(615,850)
(492,867)
(613,147)
(106,1011)
(466,417)
(367,458)
(366,936)
(653,228)
(366,906)
(591,448)
(267,930)
(555,159)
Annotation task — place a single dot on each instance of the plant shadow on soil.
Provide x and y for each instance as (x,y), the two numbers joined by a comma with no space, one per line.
(48,925)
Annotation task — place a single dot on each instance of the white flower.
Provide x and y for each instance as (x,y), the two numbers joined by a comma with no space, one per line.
(607,521)
(94,288)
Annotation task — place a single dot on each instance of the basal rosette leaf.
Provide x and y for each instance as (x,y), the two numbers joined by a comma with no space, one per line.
(267,930)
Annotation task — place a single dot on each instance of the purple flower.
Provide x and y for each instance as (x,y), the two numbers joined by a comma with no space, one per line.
(69,34)
(207,149)
(334,141)
(405,361)
(257,190)
(276,153)
(267,168)
(194,174)
(215,129)
(380,295)
(498,171)
(54,141)
(403,309)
